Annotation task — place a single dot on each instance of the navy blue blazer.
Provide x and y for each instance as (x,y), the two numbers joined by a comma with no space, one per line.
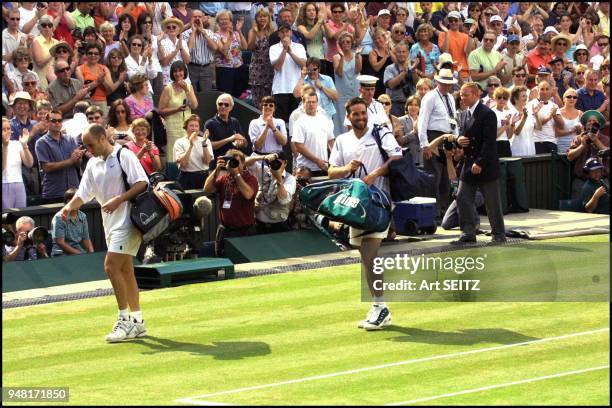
(481,129)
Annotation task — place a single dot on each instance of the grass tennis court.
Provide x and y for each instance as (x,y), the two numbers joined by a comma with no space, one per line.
(292,339)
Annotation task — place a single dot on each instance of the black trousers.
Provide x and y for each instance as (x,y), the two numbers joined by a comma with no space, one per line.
(465,204)
(545,147)
(437,167)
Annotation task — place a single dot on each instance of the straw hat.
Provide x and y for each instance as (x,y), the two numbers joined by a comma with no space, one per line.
(445,76)
(173,20)
(600,118)
(22,95)
(61,44)
(563,37)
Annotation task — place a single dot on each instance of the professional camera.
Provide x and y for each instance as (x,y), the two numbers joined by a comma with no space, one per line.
(274,164)
(604,153)
(595,128)
(37,236)
(450,145)
(8,238)
(231,161)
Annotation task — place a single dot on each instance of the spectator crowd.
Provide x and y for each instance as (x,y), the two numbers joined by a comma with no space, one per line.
(137,69)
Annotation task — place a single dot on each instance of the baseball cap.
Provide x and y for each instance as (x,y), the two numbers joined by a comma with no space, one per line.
(544,71)
(513,38)
(455,14)
(550,29)
(496,18)
(283,26)
(555,59)
(384,12)
(469,21)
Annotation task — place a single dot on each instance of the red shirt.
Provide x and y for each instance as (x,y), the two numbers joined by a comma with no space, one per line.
(241,212)
(145,160)
(535,60)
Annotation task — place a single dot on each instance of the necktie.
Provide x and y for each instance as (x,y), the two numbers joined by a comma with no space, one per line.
(448,105)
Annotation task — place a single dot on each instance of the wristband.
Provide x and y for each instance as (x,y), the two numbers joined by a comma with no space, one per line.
(238,175)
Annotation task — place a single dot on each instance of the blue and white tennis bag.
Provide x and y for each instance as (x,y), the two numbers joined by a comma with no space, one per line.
(350,201)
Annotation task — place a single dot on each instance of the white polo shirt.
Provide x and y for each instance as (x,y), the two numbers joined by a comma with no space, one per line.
(348,147)
(285,79)
(103,180)
(271,145)
(547,133)
(314,132)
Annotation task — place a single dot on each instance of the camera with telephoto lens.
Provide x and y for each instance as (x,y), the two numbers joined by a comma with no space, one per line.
(37,236)
(230,161)
(604,153)
(595,128)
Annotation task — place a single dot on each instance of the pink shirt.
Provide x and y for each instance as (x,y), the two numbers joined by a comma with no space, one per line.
(145,160)
(136,109)
(332,45)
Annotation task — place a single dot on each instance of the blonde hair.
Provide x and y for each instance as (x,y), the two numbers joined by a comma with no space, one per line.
(427,27)
(384,98)
(141,122)
(568,91)
(106,26)
(501,91)
(268,27)
(425,82)
(581,68)
(222,13)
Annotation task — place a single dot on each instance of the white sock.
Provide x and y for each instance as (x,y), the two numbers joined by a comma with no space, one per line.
(136,316)
(124,314)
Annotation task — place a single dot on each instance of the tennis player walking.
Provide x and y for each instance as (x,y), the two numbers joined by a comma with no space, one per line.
(103,181)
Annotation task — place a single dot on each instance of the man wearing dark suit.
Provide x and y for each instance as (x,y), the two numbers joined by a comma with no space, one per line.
(481,170)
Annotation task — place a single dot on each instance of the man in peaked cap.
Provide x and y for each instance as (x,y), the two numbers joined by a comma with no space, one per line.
(376,111)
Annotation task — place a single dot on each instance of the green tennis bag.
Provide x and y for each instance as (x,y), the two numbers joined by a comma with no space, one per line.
(350,201)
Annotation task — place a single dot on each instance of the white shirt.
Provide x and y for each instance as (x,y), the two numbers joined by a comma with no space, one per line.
(134,67)
(10,43)
(271,145)
(314,132)
(25,16)
(197,153)
(501,118)
(376,115)
(12,173)
(103,180)
(159,16)
(434,115)
(348,147)
(547,133)
(285,79)
(74,127)
(298,113)
(268,207)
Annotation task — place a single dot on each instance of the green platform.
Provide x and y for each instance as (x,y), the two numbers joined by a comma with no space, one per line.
(56,271)
(164,274)
(268,247)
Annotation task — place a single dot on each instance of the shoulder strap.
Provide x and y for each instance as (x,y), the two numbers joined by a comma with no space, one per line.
(376,135)
(123,174)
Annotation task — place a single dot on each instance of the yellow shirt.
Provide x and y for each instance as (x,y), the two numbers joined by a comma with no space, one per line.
(437,6)
(42,70)
(604,23)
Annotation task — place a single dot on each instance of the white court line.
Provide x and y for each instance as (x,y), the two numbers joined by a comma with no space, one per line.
(492,387)
(191,400)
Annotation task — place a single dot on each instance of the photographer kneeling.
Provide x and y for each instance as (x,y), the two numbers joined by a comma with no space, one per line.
(447,149)
(276,191)
(595,196)
(29,243)
(235,188)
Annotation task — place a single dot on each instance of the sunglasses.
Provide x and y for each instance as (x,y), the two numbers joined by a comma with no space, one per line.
(46,25)
(488,39)
(496,23)
(119,111)
(520,75)
(564,44)
(27,59)
(269,105)
(94,117)
(493,85)
(15,18)
(337,11)
(489,14)
(571,97)
(29,83)
(505,98)
(398,32)
(116,57)
(171,27)
(385,103)
(136,44)
(602,45)
(452,20)
(148,22)
(93,54)
(581,54)
(223,104)
(55,120)
(59,71)
(62,51)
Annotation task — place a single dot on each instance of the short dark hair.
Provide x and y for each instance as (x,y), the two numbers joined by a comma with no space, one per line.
(69,194)
(268,99)
(313,61)
(355,101)
(178,65)
(96,46)
(191,119)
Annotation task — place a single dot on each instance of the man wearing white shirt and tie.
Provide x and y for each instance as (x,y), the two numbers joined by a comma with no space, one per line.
(436,117)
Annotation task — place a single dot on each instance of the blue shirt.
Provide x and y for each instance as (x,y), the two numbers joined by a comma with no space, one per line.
(17,127)
(326,103)
(211,8)
(55,184)
(587,102)
(72,230)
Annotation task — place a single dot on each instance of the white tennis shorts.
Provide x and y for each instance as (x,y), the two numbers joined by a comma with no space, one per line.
(124,241)
(356,237)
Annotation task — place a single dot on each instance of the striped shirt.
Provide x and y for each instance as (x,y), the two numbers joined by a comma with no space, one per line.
(201,53)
